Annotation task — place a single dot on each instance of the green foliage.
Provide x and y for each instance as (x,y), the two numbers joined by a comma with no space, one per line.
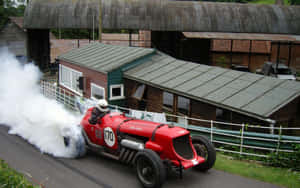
(73,33)
(294,2)
(222,61)
(84,33)
(9,8)
(285,159)
(279,176)
(10,178)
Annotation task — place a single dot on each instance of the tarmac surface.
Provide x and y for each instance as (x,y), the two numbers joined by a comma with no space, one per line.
(96,171)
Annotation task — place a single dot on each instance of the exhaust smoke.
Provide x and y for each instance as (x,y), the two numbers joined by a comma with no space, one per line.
(41,121)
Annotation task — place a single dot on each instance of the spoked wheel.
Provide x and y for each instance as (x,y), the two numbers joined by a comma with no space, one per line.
(205,149)
(150,169)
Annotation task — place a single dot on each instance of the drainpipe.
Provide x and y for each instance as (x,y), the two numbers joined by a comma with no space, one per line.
(272,125)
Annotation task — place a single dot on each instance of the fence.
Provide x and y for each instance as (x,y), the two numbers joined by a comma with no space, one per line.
(240,141)
(62,96)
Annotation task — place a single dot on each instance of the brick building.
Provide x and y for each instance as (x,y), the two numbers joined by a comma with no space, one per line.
(100,67)
(251,50)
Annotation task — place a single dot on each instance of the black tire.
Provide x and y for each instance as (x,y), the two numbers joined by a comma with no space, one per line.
(205,149)
(80,147)
(150,169)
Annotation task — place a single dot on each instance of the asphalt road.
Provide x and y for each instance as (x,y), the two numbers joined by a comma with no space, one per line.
(96,171)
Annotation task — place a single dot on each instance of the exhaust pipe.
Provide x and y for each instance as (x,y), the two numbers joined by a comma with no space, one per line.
(132,144)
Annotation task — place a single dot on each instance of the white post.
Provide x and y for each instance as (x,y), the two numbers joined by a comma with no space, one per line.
(64,97)
(279,138)
(211,130)
(185,122)
(242,139)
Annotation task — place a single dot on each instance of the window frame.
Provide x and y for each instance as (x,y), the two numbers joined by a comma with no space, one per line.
(111,87)
(99,87)
(70,70)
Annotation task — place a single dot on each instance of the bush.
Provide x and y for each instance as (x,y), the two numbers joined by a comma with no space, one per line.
(285,159)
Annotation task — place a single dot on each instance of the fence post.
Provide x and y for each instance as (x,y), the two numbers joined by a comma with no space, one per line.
(211,130)
(64,97)
(185,122)
(279,138)
(242,139)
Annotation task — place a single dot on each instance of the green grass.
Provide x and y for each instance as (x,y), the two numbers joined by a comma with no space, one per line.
(267,2)
(9,178)
(278,176)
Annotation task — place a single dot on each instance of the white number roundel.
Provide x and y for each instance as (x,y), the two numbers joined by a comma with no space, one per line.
(109,136)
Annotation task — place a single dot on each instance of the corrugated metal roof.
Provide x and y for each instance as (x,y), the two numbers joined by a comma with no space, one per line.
(163,16)
(104,58)
(251,94)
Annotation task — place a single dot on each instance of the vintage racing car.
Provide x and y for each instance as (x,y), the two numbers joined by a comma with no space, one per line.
(152,148)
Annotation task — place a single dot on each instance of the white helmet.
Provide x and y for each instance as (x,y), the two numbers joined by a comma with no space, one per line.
(102,105)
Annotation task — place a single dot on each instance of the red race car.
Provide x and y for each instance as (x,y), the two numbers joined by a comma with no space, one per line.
(152,148)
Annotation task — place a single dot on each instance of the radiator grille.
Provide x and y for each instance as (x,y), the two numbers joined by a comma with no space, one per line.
(182,147)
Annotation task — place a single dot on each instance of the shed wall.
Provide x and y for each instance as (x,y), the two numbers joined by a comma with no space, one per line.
(91,76)
(14,38)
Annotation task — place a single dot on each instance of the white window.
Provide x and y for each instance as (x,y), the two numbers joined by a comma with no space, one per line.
(69,78)
(116,92)
(97,92)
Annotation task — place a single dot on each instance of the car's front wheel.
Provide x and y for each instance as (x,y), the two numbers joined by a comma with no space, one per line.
(205,149)
(151,171)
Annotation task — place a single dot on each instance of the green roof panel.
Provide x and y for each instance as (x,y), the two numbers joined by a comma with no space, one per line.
(103,57)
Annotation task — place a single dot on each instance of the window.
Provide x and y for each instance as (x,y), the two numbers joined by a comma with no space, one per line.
(139,92)
(116,92)
(97,92)
(168,99)
(183,105)
(69,78)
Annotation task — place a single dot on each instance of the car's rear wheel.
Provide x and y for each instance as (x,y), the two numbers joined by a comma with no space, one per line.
(205,149)
(78,145)
(151,171)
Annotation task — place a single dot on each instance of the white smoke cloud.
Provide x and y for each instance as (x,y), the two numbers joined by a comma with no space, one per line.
(41,121)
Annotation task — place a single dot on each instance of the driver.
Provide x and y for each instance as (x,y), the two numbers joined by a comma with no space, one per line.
(100,110)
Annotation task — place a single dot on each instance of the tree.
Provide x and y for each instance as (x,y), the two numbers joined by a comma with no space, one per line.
(10,8)
(294,2)
(3,17)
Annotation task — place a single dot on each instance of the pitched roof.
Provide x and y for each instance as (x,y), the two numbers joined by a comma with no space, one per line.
(247,93)
(103,57)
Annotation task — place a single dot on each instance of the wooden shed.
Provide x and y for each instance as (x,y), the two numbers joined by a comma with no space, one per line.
(13,36)
(95,70)
(166,84)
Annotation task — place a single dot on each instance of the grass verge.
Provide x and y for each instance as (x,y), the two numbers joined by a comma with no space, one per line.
(279,176)
(10,178)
